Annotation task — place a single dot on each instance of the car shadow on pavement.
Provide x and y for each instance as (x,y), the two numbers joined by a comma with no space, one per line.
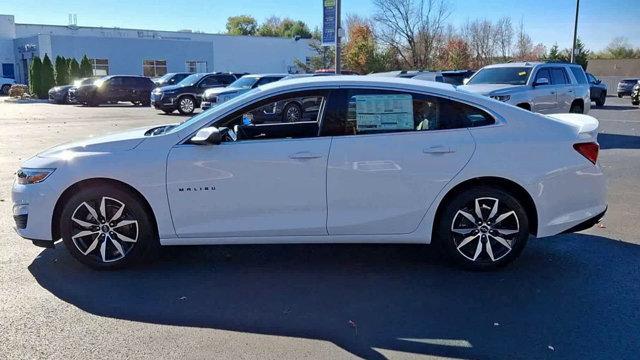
(618,141)
(571,296)
(616,107)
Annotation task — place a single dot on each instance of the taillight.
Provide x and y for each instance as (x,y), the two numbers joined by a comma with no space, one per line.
(588,150)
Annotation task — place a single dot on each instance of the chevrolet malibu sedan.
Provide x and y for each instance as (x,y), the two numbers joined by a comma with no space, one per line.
(381,160)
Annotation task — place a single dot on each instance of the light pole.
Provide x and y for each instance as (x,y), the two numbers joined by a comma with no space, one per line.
(575,33)
(337,32)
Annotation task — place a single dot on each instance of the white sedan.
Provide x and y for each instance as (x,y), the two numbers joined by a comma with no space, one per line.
(380,160)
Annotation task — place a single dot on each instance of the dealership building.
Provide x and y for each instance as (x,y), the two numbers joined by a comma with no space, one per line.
(145,52)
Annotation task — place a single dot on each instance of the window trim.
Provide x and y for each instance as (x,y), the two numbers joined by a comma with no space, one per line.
(154,66)
(498,119)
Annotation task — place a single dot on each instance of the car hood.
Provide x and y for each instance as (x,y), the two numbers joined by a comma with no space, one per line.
(489,89)
(61,88)
(121,141)
(172,87)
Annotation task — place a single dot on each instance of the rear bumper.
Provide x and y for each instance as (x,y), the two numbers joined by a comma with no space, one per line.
(587,223)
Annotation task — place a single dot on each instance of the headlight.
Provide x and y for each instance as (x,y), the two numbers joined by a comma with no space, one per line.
(32,176)
(501,97)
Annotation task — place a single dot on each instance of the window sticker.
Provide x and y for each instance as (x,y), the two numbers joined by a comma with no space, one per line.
(383,112)
(522,73)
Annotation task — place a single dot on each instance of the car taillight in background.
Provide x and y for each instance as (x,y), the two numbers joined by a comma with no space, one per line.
(588,150)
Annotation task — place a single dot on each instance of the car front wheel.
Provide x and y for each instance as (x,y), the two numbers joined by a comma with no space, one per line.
(482,228)
(186,105)
(106,227)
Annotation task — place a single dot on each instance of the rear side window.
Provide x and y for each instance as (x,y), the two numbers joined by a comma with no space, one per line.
(578,73)
(226,79)
(360,111)
(559,76)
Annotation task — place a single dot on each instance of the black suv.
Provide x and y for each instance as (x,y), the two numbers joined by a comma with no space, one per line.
(170,79)
(635,94)
(597,89)
(186,96)
(114,88)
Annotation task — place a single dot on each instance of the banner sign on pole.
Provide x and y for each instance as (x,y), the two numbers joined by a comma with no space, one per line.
(328,22)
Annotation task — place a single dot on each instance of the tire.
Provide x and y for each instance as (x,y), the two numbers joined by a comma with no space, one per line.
(168,111)
(601,100)
(5,89)
(620,95)
(186,105)
(576,108)
(96,242)
(636,103)
(481,245)
(292,113)
(146,103)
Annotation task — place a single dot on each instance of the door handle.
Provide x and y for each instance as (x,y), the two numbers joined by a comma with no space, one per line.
(570,91)
(553,93)
(438,149)
(303,155)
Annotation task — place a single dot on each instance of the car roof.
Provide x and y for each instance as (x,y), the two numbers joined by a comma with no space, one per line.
(358,80)
(266,75)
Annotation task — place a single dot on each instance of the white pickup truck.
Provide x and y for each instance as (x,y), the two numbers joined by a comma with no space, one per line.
(5,85)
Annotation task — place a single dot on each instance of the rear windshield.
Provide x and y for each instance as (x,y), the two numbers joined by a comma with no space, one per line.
(502,75)
(630,81)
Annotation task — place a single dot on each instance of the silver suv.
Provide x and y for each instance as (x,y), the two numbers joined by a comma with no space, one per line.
(540,87)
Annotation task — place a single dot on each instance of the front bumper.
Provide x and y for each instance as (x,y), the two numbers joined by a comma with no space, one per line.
(163,101)
(32,209)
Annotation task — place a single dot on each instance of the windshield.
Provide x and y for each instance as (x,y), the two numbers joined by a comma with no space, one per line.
(191,80)
(164,78)
(502,75)
(221,107)
(244,82)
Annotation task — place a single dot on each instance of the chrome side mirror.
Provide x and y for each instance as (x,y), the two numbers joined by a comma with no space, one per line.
(541,81)
(207,136)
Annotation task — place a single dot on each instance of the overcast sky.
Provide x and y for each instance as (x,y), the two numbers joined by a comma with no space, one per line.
(546,21)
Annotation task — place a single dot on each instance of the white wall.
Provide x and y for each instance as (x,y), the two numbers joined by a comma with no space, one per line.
(7,34)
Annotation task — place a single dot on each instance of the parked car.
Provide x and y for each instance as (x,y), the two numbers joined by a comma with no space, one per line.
(333,72)
(386,160)
(635,95)
(186,95)
(5,85)
(456,77)
(598,90)
(114,88)
(170,79)
(453,77)
(625,86)
(62,94)
(213,97)
(73,90)
(545,88)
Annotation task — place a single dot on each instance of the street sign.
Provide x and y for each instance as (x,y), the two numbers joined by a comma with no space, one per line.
(328,22)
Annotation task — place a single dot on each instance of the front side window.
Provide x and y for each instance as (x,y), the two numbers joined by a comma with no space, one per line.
(100,67)
(543,74)
(360,111)
(154,68)
(293,115)
(501,75)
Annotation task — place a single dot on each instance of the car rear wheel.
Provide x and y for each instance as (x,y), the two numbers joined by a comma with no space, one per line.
(482,228)
(292,113)
(186,105)
(106,227)
(620,95)
(601,100)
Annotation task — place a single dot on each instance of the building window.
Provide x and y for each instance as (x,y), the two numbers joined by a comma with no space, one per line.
(196,66)
(154,68)
(100,67)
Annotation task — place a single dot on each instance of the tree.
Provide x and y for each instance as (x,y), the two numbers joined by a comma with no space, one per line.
(480,38)
(35,77)
(62,71)
(48,79)
(241,25)
(504,36)
(323,58)
(86,70)
(619,48)
(360,52)
(581,54)
(455,55)
(555,54)
(411,28)
(274,26)
(74,70)
(524,45)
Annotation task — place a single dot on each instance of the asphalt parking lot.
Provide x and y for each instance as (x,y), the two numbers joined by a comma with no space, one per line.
(568,296)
